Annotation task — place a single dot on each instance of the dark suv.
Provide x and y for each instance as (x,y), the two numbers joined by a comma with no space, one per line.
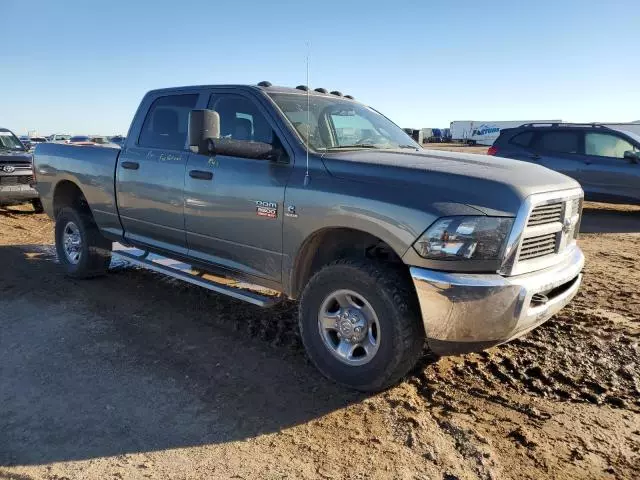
(16,172)
(605,161)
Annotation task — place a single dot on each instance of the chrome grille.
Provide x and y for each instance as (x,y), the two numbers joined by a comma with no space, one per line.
(544,214)
(545,230)
(535,247)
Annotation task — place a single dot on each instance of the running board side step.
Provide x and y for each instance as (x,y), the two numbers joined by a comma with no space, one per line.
(254,294)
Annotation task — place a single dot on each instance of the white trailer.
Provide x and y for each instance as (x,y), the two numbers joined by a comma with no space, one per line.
(485,132)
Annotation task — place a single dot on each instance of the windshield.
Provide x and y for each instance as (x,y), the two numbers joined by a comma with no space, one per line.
(9,141)
(335,123)
(38,139)
(79,139)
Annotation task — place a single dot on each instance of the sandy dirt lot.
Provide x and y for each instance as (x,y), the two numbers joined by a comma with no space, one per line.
(135,376)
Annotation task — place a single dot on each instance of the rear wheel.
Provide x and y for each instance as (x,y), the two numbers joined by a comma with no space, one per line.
(82,251)
(360,324)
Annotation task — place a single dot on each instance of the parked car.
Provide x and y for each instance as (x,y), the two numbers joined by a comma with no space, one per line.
(60,138)
(81,140)
(16,172)
(36,140)
(384,243)
(119,139)
(26,141)
(104,142)
(604,160)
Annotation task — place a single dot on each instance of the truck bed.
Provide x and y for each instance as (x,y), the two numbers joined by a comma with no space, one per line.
(92,169)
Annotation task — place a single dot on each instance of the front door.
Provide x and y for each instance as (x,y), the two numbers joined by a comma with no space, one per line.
(233,205)
(605,173)
(150,176)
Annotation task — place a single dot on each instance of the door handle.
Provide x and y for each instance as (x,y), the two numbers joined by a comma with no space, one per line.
(534,156)
(200,175)
(130,165)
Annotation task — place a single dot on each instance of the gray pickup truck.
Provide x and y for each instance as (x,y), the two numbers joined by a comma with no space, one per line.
(263,193)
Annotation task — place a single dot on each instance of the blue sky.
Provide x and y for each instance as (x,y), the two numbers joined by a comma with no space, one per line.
(82,66)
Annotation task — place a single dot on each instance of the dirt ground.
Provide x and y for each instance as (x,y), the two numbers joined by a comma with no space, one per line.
(136,376)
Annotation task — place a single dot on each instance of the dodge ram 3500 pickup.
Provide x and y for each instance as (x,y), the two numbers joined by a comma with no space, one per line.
(263,193)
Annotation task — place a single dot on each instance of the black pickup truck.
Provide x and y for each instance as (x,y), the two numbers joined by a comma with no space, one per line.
(16,172)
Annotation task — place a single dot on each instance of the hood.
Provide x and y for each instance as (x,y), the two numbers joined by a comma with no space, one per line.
(9,156)
(493,185)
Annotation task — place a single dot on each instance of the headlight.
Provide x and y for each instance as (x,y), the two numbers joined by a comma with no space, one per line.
(464,238)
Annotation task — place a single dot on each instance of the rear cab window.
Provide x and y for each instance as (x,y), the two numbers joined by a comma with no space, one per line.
(167,121)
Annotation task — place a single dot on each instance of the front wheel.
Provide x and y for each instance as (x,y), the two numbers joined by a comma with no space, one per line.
(82,251)
(360,324)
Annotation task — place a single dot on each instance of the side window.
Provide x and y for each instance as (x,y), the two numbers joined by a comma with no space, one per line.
(167,121)
(605,145)
(560,142)
(522,139)
(240,119)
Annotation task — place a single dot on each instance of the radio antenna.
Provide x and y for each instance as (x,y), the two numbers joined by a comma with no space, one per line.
(307,179)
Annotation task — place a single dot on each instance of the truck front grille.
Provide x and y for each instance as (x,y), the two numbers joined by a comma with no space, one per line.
(535,247)
(543,214)
(16,180)
(546,228)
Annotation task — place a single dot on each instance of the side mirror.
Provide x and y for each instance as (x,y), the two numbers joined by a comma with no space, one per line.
(633,157)
(204,125)
(243,149)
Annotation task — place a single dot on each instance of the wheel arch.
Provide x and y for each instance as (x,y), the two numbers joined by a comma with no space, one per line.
(333,243)
(68,194)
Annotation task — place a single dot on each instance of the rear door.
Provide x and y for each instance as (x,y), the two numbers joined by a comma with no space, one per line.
(559,150)
(234,205)
(150,174)
(606,174)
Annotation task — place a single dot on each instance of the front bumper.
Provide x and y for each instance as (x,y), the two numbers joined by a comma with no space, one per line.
(470,312)
(15,193)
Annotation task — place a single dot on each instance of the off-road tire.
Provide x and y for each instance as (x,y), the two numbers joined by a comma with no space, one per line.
(392,296)
(95,249)
(36,203)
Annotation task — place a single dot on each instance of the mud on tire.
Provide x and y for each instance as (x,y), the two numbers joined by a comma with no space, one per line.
(93,251)
(391,296)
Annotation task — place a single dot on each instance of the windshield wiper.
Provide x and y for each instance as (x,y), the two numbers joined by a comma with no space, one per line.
(412,147)
(360,145)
